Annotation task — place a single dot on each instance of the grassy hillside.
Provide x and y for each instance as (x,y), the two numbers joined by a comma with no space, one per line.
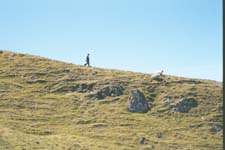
(44,105)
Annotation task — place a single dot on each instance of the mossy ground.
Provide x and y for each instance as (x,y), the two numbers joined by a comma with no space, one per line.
(32,116)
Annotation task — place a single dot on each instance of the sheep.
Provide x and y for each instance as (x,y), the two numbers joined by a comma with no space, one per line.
(157,75)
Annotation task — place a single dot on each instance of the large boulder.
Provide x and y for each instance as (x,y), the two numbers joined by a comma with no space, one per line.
(184,105)
(137,102)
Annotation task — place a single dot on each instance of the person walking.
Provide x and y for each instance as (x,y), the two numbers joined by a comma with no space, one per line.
(87,60)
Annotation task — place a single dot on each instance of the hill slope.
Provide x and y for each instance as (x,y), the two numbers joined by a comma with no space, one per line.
(47,105)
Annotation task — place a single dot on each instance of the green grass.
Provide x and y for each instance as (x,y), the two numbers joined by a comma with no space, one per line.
(33,116)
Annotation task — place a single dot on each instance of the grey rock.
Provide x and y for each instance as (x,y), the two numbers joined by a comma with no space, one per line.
(159,134)
(112,91)
(166,100)
(82,87)
(142,140)
(216,128)
(184,105)
(137,102)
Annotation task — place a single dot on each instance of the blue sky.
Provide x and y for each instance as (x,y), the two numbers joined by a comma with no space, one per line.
(181,37)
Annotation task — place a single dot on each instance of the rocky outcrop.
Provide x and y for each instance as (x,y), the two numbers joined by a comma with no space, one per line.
(82,87)
(184,105)
(216,128)
(112,91)
(137,102)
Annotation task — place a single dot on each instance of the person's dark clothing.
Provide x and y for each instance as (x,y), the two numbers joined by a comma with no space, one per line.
(87,61)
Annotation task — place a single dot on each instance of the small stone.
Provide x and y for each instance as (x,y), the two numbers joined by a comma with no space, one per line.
(216,128)
(142,140)
(166,100)
(158,134)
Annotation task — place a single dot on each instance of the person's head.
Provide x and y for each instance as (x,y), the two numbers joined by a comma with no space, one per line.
(88,54)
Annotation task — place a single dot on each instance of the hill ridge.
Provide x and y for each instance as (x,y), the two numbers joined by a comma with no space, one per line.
(49,104)
(10,52)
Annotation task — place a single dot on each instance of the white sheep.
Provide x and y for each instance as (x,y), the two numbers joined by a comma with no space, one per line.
(157,75)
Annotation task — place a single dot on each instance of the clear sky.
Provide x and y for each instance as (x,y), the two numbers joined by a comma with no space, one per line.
(181,37)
